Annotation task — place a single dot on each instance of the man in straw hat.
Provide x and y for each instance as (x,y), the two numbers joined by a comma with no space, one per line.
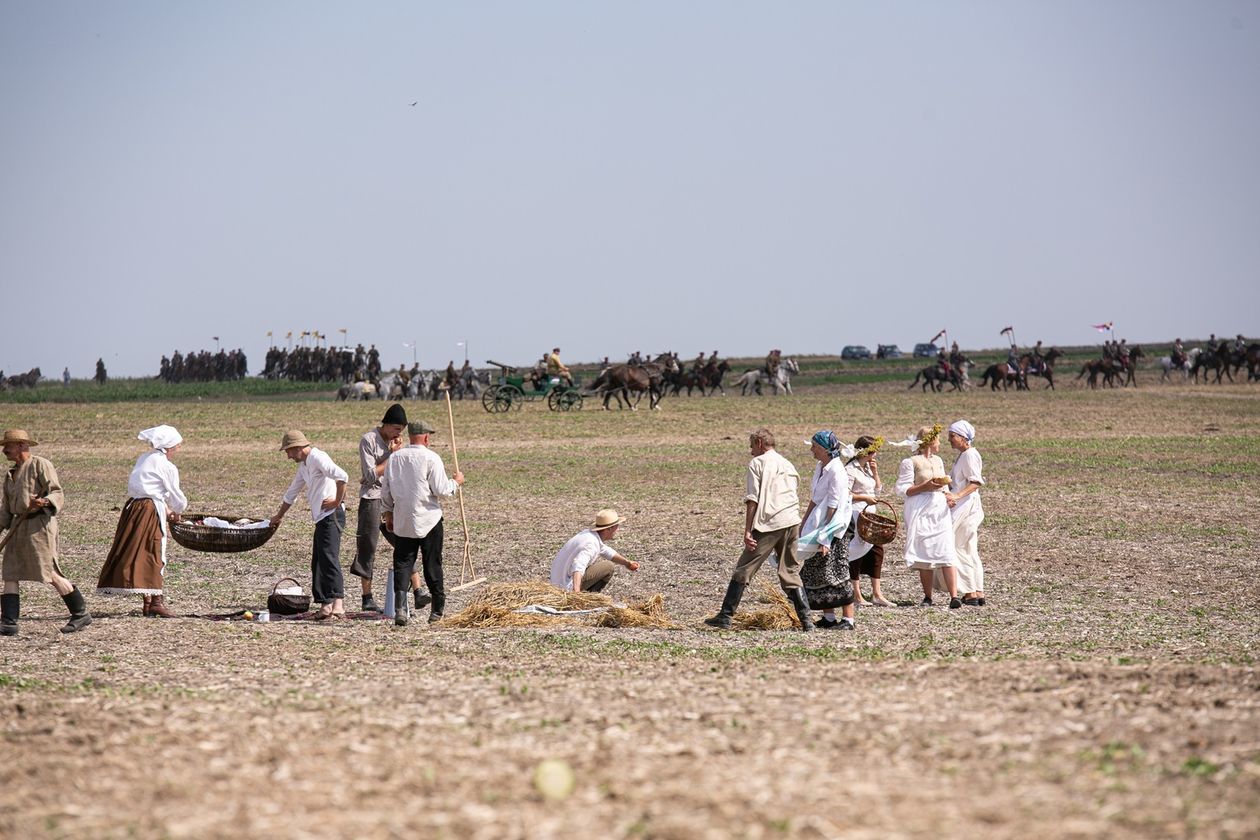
(375,447)
(412,486)
(772,524)
(32,500)
(585,563)
(325,485)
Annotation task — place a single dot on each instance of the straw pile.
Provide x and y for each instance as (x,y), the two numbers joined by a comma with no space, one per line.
(496,605)
(778,615)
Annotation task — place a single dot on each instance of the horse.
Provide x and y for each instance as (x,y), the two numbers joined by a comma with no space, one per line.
(1109,369)
(1166,362)
(934,377)
(1046,369)
(1001,374)
(753,378)
(1253,362)
(1130,369)
(356,391)
(1216,359)
(620,380)
(25,380)
(713,376)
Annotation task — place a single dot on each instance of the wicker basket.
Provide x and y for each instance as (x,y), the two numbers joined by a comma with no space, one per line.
(190,533)
(876,528)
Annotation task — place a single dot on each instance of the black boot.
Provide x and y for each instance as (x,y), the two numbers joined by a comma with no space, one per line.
(79,617)
(400,608)
(797,596)
(9,609)
(369,603)
(734,594)
(423,599)
(439,606)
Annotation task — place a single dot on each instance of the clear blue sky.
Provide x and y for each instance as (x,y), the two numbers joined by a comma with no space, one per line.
(620,176)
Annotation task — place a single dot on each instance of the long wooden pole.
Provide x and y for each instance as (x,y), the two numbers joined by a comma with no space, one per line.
(466,569)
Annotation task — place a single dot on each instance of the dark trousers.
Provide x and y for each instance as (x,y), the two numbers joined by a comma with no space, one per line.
(367,534)
(326,581)
(429,548)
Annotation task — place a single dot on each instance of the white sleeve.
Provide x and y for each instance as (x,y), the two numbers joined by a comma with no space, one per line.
(905,477)
(175,498)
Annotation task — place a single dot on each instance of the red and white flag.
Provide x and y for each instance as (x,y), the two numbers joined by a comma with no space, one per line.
(938,335)
(1104,327)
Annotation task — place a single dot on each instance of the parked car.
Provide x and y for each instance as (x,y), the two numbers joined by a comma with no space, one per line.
(926,351)
(887,351)
(855,351)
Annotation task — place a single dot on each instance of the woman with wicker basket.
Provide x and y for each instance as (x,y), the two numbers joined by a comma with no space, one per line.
(864,557)
(921,481)
(963,499)
(137,560)
(822,547)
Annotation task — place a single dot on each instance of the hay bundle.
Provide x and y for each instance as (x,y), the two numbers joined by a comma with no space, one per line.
(779,615)
(496,605)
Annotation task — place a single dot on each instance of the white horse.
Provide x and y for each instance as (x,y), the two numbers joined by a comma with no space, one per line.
(1166,363)
(356,391)
(780,384)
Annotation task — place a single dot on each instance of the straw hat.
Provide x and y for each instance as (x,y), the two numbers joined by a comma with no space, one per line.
(18,436)
(293,438)
(606,518)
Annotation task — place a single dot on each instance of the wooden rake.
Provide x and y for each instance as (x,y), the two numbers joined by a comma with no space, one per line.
(467,574)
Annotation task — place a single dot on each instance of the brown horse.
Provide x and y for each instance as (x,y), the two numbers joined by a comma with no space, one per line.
(1001,374)
(620,380)
(1046,369)
(1212,359)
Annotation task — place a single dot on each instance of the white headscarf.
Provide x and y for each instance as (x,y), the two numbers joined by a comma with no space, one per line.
(161,437)
(963,429)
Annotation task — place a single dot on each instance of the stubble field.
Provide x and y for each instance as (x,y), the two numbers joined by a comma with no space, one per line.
(1108,689)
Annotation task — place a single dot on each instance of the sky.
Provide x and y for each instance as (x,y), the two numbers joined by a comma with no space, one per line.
(611,177)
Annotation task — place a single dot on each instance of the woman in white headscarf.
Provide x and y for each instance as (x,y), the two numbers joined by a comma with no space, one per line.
(921,481)
(137,559)
(963,498)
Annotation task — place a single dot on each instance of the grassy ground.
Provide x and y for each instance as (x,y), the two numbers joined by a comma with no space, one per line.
(1110,688)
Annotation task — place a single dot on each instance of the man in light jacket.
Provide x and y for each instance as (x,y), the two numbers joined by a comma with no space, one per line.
(412,486)
(772,524)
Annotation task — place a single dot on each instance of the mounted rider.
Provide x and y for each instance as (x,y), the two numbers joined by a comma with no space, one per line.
(942,362)
(773,358)
(956,358)
(635,360)
(1179,357)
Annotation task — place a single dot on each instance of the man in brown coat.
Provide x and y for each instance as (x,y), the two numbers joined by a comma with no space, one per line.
(32,500)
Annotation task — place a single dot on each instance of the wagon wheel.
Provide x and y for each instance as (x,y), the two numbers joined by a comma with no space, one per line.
(553,400)
(570,400)
(509,397)
(489,400)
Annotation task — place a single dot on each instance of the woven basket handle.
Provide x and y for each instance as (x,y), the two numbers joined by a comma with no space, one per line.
(282,580)
(891,509)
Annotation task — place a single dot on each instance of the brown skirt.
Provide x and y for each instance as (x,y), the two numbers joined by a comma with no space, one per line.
(135,560)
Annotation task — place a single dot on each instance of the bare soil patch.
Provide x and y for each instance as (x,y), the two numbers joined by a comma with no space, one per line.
(1109,688)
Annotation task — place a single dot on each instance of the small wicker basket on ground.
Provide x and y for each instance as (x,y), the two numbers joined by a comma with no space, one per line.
(876,528)
(190,533)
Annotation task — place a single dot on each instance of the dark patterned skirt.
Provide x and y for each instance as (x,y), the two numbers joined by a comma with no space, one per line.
(826,578)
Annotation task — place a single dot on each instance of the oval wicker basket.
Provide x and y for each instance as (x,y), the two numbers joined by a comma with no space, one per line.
(190,533)
(876,528)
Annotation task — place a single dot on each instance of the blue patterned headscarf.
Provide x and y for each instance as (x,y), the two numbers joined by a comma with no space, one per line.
(827,440)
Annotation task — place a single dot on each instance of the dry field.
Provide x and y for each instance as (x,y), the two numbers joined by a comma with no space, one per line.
(1109,689)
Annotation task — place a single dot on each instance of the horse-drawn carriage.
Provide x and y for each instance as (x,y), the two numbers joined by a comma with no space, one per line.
(512,389)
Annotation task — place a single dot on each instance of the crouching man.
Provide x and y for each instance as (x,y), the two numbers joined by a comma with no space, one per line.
(772,523)
(586,564)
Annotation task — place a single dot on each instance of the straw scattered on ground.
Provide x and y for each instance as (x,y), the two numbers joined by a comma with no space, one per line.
(497,606)
(778,614)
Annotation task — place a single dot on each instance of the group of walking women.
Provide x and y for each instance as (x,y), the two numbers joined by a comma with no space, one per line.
(942,520)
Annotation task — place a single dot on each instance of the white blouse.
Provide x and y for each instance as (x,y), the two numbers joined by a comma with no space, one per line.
(155,477)
(967,470)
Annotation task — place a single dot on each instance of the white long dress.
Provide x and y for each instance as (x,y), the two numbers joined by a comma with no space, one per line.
(929,530)
(967,516)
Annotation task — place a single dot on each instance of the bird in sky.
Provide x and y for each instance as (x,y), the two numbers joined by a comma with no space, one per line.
(414,104)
